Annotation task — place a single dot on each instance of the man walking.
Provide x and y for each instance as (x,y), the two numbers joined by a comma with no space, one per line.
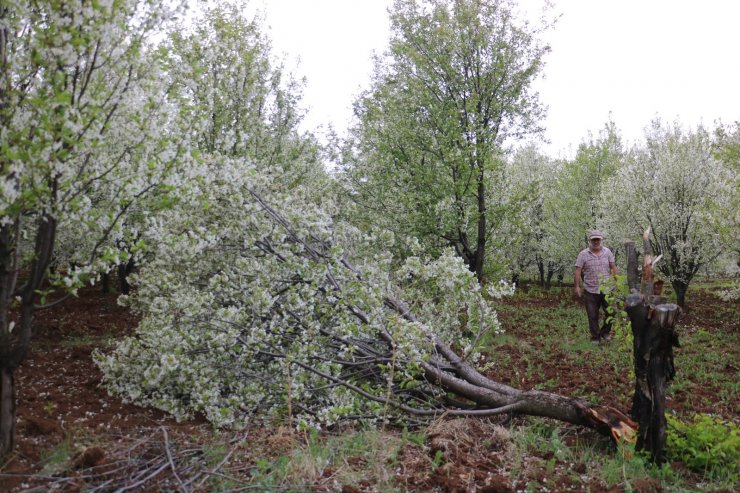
(594,264)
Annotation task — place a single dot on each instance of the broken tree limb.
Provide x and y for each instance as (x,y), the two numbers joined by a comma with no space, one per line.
(469,383)
(452,386)
(653,328)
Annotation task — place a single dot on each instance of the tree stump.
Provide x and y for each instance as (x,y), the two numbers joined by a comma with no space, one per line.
(653,328)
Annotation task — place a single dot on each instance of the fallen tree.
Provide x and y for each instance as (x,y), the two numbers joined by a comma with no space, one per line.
(269,315)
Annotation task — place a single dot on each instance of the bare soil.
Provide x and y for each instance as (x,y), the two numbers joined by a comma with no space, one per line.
(107,444)
(563,374)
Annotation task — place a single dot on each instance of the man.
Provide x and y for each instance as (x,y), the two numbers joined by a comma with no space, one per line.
(594,264)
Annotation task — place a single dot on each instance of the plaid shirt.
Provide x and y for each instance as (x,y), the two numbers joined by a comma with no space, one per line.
(595,267)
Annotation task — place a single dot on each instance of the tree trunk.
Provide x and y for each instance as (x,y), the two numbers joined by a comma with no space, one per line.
(490,398)
(480,251)
(7,411)
(515,279)
(14,344)
(680,288)
(653,321)
(105,282)
(13,349)
(124,270)
(550,274)
(633,277)
(8,277)
(541,271)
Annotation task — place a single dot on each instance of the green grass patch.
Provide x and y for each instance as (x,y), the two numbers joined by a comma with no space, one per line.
(544,328)
(705,444)
(55,460)
(346,459)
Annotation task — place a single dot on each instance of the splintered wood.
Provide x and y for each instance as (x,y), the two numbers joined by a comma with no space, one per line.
(653,320)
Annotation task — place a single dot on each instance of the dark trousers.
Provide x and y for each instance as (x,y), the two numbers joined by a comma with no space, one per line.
(593,302)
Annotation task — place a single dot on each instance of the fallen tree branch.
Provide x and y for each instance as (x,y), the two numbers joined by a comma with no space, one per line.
(170,461)
(446,370)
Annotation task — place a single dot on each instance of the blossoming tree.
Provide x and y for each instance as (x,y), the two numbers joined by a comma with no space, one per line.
(530,241)
(426,157)
(674,184)
(576,203)
(78,108)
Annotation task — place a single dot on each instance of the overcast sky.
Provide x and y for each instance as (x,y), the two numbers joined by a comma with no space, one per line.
(677,59)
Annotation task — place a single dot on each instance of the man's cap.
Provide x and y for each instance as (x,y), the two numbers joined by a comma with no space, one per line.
(595,233)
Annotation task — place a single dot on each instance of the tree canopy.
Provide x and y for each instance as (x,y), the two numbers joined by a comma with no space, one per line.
(426,157)
(674,184)
(81,103)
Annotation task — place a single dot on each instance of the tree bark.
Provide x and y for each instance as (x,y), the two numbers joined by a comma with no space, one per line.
(105,283)
(551,270)
(491,397)
(633,278)
(480,251)
(653,328)
(123,272)
(680,288)
(7,411)
(541,271)
(14,344)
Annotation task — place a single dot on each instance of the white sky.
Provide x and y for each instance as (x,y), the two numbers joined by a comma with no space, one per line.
(638,59)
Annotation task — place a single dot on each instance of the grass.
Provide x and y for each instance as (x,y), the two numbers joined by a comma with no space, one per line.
(543,324)
(346,459)
(588,461)
(544,328)
(55,459)
(548,455)
(98,340)
(103,340)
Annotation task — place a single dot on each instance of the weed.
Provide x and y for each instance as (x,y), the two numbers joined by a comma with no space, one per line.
(553,326)
(56,459)
(706,444)
(547,384)
(418,438)
(268,473)
(438,459)
(50,407)
(323,462)
(83,340)
(542,436)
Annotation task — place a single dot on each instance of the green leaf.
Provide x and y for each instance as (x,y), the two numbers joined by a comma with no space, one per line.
(63,97)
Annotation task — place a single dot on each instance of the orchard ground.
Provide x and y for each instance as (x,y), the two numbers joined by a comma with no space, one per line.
(74,437)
